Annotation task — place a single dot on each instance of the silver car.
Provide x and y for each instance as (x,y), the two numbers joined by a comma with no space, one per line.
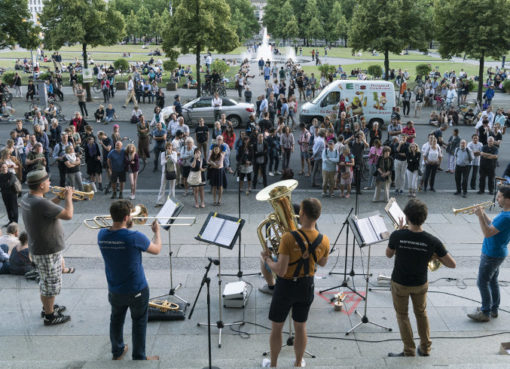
(236,112)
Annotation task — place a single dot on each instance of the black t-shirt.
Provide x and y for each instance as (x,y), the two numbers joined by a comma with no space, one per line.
(201,132)
(23,132)
(402,152)
(413,251)
(489,163)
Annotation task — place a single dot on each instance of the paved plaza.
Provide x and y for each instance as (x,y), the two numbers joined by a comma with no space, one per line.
(458,342)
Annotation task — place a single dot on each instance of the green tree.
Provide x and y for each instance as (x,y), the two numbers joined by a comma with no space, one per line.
(291,29)
(273,13)
(336,24)
(125,6)
(15,25)
(311,26)
(388,26)
(314,29)
(156,22)
(132,25)
(243,18)
(156,6)
(457,35)
(87,22)
(197,25)
(144,21)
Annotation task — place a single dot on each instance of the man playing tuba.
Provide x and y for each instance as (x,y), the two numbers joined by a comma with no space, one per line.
(298,254)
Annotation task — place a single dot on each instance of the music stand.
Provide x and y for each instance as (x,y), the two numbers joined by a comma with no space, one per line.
(171,210)
(345,225)
(367,232)
(223,231)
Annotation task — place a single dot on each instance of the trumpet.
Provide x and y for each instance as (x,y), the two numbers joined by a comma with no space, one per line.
(77,195)
(139,215)
(471,209)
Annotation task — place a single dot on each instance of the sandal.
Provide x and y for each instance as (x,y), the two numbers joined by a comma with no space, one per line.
(68,270)
(196,206)
(202,205)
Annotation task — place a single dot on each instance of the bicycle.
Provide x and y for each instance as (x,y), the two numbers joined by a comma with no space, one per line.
(6,95)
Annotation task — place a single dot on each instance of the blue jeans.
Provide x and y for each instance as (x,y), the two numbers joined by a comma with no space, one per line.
(138,304)
(487,283)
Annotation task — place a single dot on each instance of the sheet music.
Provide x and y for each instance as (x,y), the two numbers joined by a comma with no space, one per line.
(166,211)
(397,213)
(212,230)
(379,227)
(227,232)
(366,230)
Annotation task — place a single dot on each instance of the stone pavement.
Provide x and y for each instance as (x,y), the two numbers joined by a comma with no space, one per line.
(83,342)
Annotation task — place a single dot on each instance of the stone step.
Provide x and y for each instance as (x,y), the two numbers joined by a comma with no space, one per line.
(453,362)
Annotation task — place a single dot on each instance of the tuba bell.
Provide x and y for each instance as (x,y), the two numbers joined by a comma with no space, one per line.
(282,220)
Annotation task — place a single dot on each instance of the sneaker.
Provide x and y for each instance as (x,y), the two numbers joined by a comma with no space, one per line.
(457,193)
(271,174)
(120,196)
(56,319)
(57,309)
(121,355)
(266,363)
(278,173)
(266,290)
(494,314)
(114,195)
(420,353)
(480,192)
(132,197)
(479,316)
(303,363)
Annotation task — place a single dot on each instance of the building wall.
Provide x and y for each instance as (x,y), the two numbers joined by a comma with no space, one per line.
(35,7)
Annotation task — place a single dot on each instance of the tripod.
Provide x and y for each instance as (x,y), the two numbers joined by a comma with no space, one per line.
(344,283)
(219,324)
(239,273)
(206,280)
(364,318)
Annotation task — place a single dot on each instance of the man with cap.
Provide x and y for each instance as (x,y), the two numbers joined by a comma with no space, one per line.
(46,240)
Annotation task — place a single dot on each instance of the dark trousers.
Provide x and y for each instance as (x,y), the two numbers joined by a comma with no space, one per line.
(430,172)
(83,108)
(256,167)
(157,152)
(489,174)
(62,173)
(274,160)
(106,96)
(286,158)
(11,205)
(474,173)
(461,177)
(406,106)
(138,304)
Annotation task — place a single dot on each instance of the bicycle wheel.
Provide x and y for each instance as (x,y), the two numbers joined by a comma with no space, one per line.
(96,87)
(7,96)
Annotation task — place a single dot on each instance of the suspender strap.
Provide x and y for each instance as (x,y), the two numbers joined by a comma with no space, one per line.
(302,262)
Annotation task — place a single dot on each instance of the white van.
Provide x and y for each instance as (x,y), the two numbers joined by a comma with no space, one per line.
(373,99)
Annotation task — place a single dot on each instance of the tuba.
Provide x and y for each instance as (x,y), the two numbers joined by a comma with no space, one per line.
(282,220)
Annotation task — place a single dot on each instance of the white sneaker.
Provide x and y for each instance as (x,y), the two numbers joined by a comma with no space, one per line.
(303,364)
(266,363)
(271,174)
(132,197)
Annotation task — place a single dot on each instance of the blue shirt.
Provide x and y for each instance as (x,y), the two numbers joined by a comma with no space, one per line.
(117,160)
(496,246)
(122,254)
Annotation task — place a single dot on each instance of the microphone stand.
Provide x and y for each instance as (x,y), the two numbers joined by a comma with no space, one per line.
(239,273)
(206,280)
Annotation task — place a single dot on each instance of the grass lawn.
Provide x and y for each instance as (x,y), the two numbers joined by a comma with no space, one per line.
(470,69)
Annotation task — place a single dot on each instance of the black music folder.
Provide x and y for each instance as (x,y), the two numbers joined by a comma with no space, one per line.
(221,230)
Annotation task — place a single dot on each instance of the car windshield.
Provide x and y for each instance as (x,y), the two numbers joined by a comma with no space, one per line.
(319,97)
(228,102)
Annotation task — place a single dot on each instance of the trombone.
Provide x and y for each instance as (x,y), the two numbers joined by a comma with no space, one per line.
(471,209)
(77,195)
(139,215)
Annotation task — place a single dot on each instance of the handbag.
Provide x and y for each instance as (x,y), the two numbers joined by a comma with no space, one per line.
(16,185)
(170,175)
(195,178)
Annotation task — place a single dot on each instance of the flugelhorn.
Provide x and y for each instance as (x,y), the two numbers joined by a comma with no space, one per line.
(139,215)
(471,209)
(282,220)
(77,195)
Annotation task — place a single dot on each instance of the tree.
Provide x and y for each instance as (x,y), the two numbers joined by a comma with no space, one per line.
(144,21)
(291,29)
(125,6)
(273,14)
(314,29)
(311,27)
(155,25)
(15,25)
(197,25)
(388,26)
(457,35)
(87,22)
(132,25)
(244,19)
